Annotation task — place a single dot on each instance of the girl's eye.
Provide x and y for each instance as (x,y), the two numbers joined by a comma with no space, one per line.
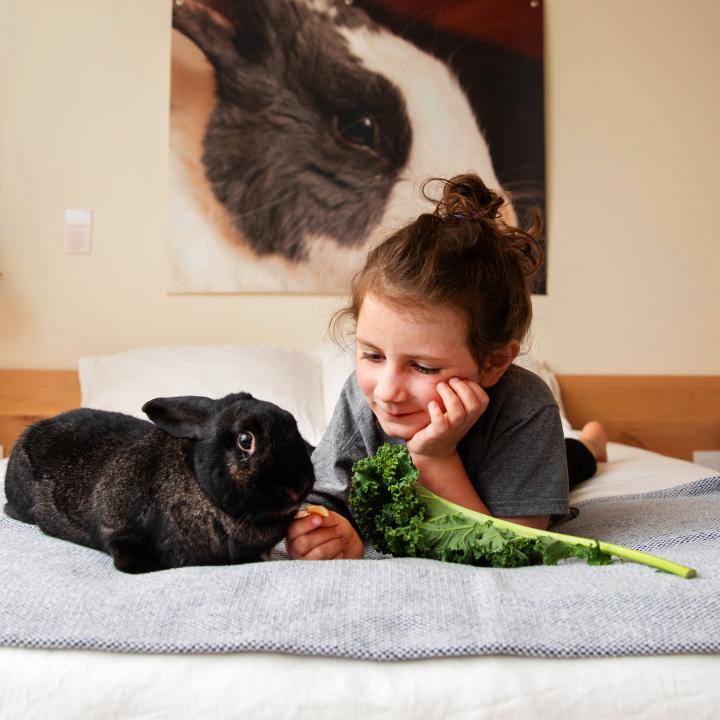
(373,357)
(426,370)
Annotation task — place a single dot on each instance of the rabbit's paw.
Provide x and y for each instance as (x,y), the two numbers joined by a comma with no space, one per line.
(130,554)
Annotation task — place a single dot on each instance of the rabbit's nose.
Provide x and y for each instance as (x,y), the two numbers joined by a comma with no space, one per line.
(295,495)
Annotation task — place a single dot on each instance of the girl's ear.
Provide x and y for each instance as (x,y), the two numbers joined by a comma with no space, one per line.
(498,362)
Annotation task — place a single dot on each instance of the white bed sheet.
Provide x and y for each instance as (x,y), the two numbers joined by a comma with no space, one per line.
(72,684)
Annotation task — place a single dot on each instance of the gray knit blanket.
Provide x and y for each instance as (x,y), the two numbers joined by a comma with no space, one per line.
(59,595)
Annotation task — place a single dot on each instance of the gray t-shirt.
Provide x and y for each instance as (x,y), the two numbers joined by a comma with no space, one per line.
(514,454)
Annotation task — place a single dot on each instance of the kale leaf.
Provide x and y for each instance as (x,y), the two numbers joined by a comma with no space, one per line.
(400,517)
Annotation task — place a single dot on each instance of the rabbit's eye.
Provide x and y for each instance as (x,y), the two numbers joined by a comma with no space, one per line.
(357,128)
(246,442)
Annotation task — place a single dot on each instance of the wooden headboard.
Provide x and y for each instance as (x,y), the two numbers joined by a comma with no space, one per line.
(673,415)
(30,395)
(670,414)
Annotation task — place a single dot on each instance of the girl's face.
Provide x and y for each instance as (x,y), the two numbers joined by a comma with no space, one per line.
(400,360)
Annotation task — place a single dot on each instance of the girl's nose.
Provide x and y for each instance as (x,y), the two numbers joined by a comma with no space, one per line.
(390,388)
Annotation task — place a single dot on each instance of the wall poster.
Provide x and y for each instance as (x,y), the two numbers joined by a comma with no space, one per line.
(302,130)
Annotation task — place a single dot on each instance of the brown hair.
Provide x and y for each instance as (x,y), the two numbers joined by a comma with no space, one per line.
(463,255)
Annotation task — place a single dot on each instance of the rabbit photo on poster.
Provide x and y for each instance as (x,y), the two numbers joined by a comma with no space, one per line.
(300,135)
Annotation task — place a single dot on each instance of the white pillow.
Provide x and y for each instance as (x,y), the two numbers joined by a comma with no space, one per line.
(539,367)
(125,381)
(337,364)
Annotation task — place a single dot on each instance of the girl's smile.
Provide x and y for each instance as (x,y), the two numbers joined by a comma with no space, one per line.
(402,356)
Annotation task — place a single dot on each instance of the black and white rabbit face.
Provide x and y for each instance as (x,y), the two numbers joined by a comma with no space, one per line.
(322,127)
(303,140)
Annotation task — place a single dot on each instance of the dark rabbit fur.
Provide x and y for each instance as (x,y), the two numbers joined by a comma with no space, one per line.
(211,482)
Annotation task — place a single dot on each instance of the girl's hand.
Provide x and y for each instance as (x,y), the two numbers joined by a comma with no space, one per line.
(323,538)
(465,401)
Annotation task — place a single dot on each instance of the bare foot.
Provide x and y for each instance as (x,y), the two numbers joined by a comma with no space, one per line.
(594,436)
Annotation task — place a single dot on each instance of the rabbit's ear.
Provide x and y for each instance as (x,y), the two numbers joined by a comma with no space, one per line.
(253,21)
(247,33)
(184,417)
(208,29)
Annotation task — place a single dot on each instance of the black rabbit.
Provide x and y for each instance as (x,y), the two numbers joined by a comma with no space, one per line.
(211,482)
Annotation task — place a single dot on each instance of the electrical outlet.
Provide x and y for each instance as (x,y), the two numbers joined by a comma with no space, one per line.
(707,458)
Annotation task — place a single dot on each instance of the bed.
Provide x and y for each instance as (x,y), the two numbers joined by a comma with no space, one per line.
(54,670)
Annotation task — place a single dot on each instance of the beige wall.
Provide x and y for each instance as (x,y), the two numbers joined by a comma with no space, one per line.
(633,107)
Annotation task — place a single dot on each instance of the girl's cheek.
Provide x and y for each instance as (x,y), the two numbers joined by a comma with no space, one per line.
(431,393)
(364,379)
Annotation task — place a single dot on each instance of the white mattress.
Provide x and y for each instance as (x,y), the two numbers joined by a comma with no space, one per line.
(73,684)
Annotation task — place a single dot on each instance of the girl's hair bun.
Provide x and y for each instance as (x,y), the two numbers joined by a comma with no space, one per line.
(466,197)
(471,212)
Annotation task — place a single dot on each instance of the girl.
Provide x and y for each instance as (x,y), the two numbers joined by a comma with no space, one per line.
(440,309)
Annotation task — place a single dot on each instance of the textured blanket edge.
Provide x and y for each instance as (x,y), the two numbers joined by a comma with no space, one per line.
(342,652)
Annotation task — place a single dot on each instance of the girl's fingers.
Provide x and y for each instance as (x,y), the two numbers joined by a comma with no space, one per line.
(437,418)
(305,545)
(464,401)
(304,525)
(454,407)
(472,396)
(479,391)
(328,550)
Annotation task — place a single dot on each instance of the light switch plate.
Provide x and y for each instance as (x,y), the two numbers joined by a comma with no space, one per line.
(78,230)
